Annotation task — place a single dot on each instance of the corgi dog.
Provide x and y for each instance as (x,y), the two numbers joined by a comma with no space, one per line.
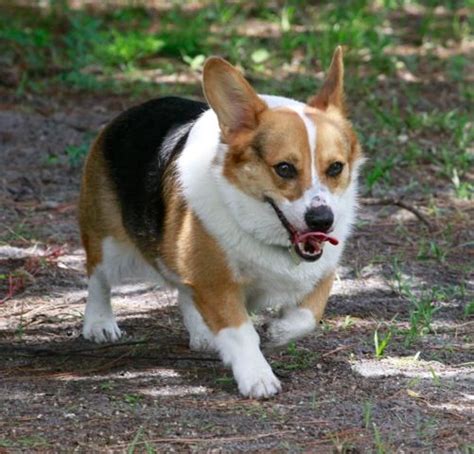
(243,202)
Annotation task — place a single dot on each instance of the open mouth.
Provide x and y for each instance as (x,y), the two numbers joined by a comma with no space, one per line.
(308,245)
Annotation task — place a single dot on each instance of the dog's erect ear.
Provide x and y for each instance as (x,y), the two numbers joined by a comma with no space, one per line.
(332,91)
(234,101)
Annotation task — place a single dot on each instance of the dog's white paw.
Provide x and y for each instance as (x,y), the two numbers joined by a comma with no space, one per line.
(239,347)
(101,331)
(294,324)
(258,382)
(201,344)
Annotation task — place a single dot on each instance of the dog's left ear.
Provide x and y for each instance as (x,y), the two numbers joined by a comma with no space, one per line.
(332,91)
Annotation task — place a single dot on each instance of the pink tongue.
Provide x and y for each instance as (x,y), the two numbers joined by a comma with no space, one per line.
(310,237)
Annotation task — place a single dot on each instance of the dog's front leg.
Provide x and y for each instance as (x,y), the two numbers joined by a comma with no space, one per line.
(299,321)
(235,338)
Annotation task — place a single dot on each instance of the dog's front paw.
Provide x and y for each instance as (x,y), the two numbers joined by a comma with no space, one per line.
(294,324)
(258,382)
(101,331)
(201,344)
(239,347)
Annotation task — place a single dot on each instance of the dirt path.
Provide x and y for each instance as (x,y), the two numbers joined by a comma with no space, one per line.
(58,392)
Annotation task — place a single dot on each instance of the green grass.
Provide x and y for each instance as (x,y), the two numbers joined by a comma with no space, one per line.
(380,446)
(367,414)
(296,359)
(24,443)
(225,380)
(19,232)
(131,49)
(469,309)
(348,322)
(369,424)
(76,153)
(107,386)
(140,444)
(62,41)
(431,249)
(132,399)
(381,343)
(424,303)
(421,315)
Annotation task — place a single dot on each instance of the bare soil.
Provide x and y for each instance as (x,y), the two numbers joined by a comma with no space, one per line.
(61,393)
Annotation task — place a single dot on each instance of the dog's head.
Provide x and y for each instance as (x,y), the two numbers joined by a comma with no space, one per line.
(288,168)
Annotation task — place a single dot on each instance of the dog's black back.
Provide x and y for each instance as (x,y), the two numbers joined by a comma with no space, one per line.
(137,156)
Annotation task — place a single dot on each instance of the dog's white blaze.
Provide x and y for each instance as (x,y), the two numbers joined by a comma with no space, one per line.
(311,131)
(295,211)
(239,348)
(299,108)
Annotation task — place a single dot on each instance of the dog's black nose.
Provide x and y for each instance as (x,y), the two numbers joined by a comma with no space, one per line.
(319,219)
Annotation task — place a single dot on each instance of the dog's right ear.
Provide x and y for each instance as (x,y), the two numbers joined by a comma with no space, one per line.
(234,101)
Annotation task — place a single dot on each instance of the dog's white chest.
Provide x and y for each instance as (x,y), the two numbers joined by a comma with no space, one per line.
(278,283)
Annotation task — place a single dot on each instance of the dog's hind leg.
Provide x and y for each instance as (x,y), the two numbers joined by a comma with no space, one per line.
(99,319)
(200,336)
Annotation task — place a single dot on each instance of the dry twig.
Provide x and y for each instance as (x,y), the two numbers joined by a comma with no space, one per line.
(207,440)
(399,202)
(336,350)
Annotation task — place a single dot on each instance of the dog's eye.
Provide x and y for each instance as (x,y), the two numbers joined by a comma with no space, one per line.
(286,170)
(334,169)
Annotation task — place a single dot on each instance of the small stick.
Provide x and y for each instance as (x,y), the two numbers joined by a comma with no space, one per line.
(208,440)
(400,203)
(338,349)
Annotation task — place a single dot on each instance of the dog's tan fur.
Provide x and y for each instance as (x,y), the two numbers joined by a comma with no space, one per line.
(316,301)
(99,212)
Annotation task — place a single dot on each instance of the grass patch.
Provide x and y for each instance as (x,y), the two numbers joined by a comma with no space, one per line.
(60,41)
(381,343)
(29,442)
(424,303)
(76,153)
(295,358)
(140,444)
(135,51)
